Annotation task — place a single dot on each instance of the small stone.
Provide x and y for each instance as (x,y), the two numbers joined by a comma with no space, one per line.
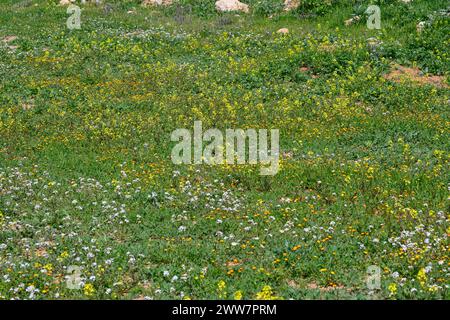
(291,5)
(283,31)
(231,5)
(66,2)
(146,3)
(420,26)
(352,20)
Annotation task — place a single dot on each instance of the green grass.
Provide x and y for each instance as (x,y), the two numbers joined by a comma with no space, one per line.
(86,177)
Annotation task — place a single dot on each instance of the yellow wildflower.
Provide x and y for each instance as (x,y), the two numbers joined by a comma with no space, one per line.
(88,289)
(392,289)
(266,294)
(238,295)
(422,277)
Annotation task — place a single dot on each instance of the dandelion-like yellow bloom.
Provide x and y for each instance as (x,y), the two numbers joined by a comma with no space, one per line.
(266,294)
(392,289)
(88,289)
(238,295)
(422,277)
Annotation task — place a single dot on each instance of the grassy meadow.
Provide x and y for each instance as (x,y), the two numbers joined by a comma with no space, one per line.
(87,181)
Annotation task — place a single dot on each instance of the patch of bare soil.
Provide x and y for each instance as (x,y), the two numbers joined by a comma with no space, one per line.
(315,286)
(307,70)
(27,106)
(401,74)
(6,40)
(9,39)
